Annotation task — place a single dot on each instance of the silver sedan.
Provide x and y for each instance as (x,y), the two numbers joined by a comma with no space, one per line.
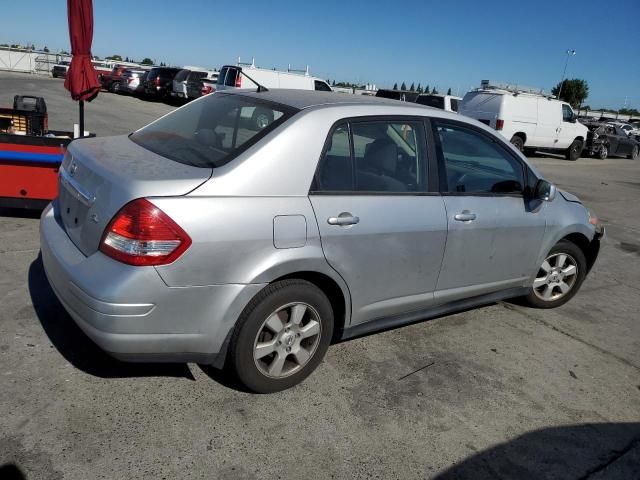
(249,230)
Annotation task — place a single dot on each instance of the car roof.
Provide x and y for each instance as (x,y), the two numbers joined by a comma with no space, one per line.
(302,99)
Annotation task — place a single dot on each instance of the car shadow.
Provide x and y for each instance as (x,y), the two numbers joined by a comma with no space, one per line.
(601,450)
(21,212)
(76,347)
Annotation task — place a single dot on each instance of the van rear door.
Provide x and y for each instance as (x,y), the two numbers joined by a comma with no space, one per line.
(485,107)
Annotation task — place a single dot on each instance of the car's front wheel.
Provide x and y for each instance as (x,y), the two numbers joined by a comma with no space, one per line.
(559,277)
(635,153)
(603,152)
(282,336)
(574,150)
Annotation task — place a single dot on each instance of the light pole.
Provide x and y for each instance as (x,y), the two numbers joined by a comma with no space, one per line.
(570,53)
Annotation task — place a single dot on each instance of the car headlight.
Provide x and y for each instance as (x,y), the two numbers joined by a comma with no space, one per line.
(593,219)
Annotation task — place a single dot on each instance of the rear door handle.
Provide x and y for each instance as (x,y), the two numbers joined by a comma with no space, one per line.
(465,216)
(343,219)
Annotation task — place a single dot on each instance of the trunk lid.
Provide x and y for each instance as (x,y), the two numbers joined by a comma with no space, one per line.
(100,175)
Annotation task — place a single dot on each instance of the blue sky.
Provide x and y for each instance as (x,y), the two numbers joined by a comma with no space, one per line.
(447,44)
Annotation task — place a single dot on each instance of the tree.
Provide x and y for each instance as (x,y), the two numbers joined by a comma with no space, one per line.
(449,91)
(574,91)
(146,61)
(412,88)
(117,58)
(395,86)
(426,89)
(434,91)
(403,86)
(64,52)
(419,88)
(126,59)
(45,49)
(333,84)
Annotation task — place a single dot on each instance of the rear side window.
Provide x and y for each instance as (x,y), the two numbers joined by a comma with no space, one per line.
(454,104)
(474,163)
(375,156)
(212,131)
(195,76)
(321,86)
(228,77)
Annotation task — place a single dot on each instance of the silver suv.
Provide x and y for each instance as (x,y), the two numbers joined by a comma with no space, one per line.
(211,237)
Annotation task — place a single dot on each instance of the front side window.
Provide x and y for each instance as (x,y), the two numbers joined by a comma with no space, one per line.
(376,156)
(321,86)
(212,131)
(474,163)
(567,113)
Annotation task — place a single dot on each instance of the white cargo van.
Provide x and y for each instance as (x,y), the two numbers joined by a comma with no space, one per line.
(527,118)
(232,78)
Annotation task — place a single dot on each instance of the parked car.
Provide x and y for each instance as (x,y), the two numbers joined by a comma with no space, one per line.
(443,102)
(527,119)
(195,83)
(158,83)
(131,81)
(59,70)
(402,95)
(179,84)
(231,77)
(389,213)
(604,140)
(111,81)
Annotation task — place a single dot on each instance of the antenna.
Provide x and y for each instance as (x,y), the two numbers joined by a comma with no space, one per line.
(261,88)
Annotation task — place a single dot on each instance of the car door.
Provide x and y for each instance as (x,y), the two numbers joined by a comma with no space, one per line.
(549,123)
(624,142)
(381,228)
(566,131)
(494,232)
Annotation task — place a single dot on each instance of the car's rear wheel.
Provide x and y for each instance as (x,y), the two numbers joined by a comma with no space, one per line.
(574,150)
(603,152)
(518,142)
(635,153)
(282,336)
(115,87)
(559,277)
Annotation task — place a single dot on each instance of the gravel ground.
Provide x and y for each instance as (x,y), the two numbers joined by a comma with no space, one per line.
(496,392)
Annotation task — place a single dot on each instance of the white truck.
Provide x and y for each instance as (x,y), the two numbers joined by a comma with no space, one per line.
(231,77)
(527,118)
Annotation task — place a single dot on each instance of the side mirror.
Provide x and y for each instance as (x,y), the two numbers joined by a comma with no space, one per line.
(545,191)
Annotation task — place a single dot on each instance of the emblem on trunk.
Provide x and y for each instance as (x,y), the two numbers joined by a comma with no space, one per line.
(73,168)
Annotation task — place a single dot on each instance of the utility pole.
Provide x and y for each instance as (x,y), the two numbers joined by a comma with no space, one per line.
(570,53)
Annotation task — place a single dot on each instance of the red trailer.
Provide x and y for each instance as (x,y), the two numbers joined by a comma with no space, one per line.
(30,154)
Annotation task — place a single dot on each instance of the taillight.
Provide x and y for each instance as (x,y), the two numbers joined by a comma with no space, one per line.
(141,234)
(157,81)
(499,124)
(238,79)
(206,89)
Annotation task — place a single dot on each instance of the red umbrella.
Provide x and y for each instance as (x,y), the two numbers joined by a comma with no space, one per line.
(81,79)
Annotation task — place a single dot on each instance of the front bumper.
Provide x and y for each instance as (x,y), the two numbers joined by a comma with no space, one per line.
(130,312)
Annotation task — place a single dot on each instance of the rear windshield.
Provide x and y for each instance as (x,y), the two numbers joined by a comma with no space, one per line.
(210,132)
(431,101)
(182,75)
(195,76)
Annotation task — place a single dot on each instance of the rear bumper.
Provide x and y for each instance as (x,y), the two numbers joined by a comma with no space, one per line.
(130,312)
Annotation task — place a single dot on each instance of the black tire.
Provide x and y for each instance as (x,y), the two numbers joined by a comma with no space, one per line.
(574,252)
(262,117)
(115,87)
(518,142)
(603,152)
(575,150)
(635,153)
(251,322)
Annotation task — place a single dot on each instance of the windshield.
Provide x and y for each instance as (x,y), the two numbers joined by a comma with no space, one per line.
(212,131)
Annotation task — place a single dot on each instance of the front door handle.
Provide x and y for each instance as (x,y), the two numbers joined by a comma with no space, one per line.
(465,216)
(343,219)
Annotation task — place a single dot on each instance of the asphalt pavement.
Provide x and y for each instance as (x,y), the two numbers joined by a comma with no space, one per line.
(501,391)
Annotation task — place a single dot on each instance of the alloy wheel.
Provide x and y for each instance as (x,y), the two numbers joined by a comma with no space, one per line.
(556,277)
(287,340)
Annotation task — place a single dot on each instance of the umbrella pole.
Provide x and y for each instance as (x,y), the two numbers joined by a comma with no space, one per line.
(81,106)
